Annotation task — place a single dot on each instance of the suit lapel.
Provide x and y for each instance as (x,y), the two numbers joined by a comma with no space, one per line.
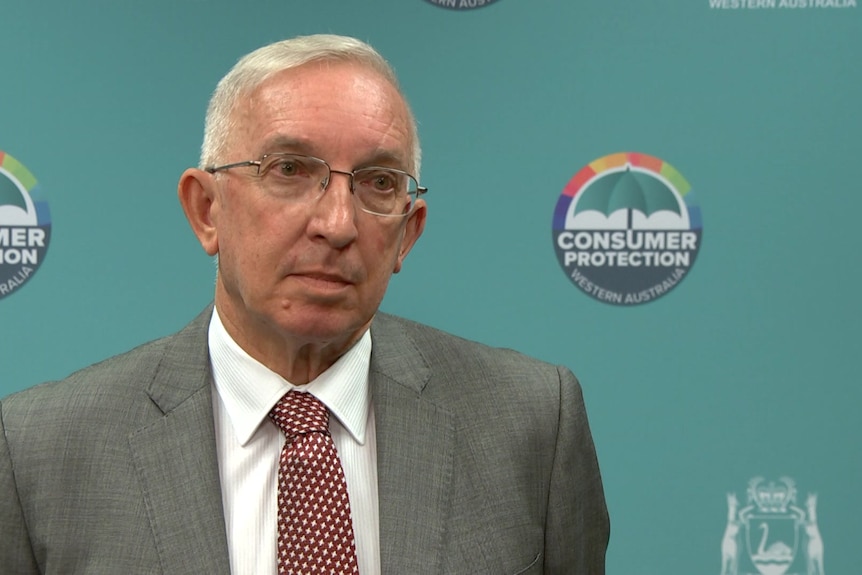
(415,445)
(176,460)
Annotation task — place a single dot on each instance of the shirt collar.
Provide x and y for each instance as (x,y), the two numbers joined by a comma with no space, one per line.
(249,389)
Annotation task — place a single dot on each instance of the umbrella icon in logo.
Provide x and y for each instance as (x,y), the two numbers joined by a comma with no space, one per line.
(10,195)
(629,190)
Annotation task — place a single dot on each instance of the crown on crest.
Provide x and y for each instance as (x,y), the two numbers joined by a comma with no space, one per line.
(772,497)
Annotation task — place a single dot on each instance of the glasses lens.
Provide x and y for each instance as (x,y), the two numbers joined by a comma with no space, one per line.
(293,177)
(385,191)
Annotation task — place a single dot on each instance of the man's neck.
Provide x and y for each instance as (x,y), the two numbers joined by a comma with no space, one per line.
(297,361)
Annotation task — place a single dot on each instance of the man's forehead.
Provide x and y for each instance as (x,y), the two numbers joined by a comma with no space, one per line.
(329,81)
(282,114)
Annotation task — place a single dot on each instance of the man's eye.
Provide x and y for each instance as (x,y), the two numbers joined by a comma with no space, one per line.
(380,181)
(385,182)
(289,168)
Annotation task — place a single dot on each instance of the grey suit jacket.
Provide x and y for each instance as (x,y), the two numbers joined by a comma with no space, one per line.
(486,463)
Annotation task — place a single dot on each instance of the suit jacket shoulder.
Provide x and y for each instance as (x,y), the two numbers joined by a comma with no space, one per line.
(123,377)
(454,355)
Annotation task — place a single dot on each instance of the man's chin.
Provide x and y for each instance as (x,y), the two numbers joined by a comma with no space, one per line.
(322,324)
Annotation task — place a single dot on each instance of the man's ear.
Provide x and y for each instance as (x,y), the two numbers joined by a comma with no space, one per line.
(197,194)
(413,229)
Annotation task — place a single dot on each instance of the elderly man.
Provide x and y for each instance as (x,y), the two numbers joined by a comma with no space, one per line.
(291,427)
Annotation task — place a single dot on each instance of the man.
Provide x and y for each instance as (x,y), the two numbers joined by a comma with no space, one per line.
(445,456)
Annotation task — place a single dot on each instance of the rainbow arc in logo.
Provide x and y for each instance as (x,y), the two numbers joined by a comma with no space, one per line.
(616,162)
(28,181)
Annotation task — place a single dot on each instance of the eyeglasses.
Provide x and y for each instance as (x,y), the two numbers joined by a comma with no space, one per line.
(296,178)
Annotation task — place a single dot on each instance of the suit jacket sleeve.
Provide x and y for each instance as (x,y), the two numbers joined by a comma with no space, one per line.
(577,528)
(16,555)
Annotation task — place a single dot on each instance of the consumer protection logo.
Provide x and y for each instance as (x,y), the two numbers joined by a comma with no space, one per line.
(627,228)
(25,225)
(461,4)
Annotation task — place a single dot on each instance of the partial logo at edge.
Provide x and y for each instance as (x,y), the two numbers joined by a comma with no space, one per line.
(25,225)
(461,4)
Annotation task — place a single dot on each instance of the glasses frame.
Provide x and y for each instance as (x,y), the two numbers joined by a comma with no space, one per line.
(420,190)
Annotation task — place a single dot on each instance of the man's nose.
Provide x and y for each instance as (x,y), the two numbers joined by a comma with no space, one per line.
(334,212)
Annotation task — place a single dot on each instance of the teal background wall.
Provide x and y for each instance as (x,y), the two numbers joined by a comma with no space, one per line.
(748,368)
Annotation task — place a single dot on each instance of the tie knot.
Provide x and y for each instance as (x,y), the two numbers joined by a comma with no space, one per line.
(299,412)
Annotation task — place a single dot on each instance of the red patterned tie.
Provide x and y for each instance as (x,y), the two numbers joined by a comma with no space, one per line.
(315,533)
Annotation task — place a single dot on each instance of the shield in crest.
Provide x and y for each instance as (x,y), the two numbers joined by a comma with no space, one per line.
(772,540)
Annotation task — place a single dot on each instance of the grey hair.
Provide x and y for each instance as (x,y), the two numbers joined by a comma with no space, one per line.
(255,68)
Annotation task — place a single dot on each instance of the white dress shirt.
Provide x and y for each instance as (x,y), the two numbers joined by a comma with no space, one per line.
(249,446)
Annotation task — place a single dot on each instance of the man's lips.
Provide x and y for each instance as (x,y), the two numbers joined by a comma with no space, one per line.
(325,280)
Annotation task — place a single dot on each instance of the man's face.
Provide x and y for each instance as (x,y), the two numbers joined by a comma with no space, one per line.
(315,272)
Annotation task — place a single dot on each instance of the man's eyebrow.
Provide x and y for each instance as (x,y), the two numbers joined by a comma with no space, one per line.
(385,158)
(378,157)
(282,143)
